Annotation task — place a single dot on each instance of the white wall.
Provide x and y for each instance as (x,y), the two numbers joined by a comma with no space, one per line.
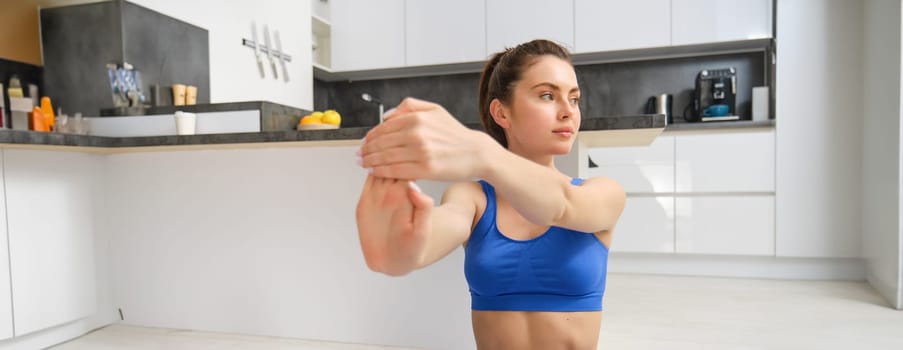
(819,128)
(233,68)
(881,155)
(263,241)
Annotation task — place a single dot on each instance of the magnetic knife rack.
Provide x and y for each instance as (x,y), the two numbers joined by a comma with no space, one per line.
(264,50)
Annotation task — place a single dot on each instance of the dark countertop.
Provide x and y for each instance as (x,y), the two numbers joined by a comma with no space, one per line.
(341,136)
(273,116)
(32,138)
(734,124)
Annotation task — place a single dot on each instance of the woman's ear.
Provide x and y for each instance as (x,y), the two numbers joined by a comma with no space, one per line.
(500,113)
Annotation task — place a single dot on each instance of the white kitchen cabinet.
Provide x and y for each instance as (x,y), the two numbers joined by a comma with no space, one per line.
(607,25)
(367,34)
(820,136)
(646,226)
(725,162)
(6,306)
(729,225)
(705,21)
(511,22)
(50,199)
(644,169)
(321,43)
(440,32)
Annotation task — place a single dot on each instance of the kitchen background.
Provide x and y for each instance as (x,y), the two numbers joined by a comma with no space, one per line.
(242,240)
(607,89)
(116,32)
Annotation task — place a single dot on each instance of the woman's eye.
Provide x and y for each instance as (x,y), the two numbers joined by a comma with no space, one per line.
(546,96)
(575,100)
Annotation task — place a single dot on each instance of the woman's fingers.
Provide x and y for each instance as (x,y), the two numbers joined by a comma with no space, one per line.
(408,112)
(402,137)
(422,141)
(368,184)
(380,189)
(387,126)
(401,121)
(402,171)
(410,104)
(392,156)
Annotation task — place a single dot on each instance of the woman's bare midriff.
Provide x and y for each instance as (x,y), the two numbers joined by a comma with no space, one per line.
(523,330)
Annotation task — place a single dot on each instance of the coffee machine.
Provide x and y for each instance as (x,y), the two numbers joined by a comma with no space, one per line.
(715,97)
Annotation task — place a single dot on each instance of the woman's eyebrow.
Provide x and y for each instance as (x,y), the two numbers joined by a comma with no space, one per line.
(554,87)
(550,85)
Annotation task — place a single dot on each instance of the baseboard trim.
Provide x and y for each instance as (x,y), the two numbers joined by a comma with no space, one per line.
(845,269)
(57,335)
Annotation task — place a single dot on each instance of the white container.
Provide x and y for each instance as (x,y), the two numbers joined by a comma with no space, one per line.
(3,107)
(185,123)
(760,103)
(19,109)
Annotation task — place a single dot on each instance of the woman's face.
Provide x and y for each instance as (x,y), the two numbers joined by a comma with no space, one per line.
(544,113)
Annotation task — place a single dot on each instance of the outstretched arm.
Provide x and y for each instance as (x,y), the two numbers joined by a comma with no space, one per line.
(400,230)
(546,197)
(420,140)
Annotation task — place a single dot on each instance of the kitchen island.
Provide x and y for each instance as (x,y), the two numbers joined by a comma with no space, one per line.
(249,233)
(594,132)
(171,230)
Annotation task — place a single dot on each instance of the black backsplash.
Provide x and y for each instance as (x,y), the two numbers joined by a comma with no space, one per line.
(607,89)
(167,51)
(623,88)
(78,41)
(457,93)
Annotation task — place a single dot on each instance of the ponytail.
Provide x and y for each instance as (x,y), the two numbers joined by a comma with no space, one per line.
(486,97)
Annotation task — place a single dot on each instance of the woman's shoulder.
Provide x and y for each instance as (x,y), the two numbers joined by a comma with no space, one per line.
(465,189)
(605,188)
(598,180)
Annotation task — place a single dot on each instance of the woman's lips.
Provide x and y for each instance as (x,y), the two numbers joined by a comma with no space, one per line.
(568,132)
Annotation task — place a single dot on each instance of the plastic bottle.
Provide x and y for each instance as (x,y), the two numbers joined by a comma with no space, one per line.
(47,110)
(15,87)
(2,107)
(36,120)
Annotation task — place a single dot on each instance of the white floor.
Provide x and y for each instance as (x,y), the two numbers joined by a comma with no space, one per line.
(643,312)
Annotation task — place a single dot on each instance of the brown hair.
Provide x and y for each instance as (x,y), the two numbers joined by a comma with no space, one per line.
(503,70)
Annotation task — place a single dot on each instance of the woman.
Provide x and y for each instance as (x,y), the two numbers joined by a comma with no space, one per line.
(536,241)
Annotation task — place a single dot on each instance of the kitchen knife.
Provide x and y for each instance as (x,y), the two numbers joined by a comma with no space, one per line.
(281,55)
(257,49)
(266,40)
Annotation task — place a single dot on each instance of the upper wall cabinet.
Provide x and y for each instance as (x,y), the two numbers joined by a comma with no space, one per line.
(705,21)
(607,25)
(511,22)
(438,32)
(367,34)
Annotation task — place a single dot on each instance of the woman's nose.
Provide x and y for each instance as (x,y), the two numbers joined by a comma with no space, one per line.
(567,110)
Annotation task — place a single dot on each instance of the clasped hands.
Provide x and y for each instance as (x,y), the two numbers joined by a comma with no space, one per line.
(417,140)
(421,140)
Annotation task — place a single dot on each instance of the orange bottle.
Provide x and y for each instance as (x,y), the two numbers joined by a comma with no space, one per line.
(47,109)
(37,120)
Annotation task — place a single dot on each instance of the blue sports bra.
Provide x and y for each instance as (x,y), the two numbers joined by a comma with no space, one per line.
(560,270)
